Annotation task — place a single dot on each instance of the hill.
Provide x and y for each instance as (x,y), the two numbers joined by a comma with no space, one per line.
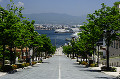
(55,18)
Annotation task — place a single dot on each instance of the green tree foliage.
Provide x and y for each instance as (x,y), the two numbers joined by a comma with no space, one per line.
(67,49)
(103,22)
(17,32)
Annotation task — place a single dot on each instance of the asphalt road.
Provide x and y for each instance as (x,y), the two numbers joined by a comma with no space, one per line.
(57,67)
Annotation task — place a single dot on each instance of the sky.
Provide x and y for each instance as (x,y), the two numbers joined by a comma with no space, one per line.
(71,7)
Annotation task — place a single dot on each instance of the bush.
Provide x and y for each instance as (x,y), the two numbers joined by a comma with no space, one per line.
(6,68)
(27,64)
(104,68)
(33,63)
(14,67)
(40,61)
(112,69)
(20,65)
(84,63)
(92,65)
(23,65)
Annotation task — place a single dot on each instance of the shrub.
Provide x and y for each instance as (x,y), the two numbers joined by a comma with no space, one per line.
(33,63)
(92,65)
(14,66)
(6,68)
(84,63)
(104,68)
(23,65)
(112,69)
(27,64)
(20,65)
(40,61)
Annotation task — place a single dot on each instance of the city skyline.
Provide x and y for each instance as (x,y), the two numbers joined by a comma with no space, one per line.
(70,7)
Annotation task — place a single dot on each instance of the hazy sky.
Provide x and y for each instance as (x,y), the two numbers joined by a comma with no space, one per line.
(71,7)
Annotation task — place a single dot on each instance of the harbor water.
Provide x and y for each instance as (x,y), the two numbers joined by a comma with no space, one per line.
(57,39)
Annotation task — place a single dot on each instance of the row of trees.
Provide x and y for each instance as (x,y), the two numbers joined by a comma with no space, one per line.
(103,23)
(17,32)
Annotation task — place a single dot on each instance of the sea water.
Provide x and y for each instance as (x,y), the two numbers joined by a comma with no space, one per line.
(57,39)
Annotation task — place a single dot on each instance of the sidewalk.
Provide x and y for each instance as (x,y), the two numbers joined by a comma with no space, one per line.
(2,73)
(115,74)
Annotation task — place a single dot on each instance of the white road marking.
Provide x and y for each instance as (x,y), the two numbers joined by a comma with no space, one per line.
(59,69)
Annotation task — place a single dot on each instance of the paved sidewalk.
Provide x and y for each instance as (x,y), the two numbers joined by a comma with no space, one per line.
(115,74)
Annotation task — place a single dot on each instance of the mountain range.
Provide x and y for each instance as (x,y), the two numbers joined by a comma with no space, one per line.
(55,18)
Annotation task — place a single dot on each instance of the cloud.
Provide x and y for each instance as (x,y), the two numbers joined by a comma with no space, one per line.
(20,4)
(0,0)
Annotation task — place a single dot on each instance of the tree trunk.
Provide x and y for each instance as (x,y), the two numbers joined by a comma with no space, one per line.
(3,54)
(93,57)
(108,56)
(33,54)
(73,55)
(41,54)
(45,54)
(26,56)
(22,52)
(77,58)
(36,58)
(11,55)
(98,56)
(14,56)
(86,57)
(67,55)
(70,55)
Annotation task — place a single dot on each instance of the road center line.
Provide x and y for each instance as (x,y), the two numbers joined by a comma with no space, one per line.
(59,69)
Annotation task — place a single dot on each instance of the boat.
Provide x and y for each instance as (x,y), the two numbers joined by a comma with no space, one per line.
(61,31)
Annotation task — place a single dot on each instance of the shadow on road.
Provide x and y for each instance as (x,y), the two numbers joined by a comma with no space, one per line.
(103,77)
(46,62)
(92,70)
(79,66)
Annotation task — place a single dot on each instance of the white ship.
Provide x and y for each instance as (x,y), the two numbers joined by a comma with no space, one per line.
(61,31)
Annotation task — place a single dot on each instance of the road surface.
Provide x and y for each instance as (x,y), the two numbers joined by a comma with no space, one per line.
(57,67)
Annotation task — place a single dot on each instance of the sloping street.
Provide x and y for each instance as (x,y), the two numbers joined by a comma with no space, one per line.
(57,67)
